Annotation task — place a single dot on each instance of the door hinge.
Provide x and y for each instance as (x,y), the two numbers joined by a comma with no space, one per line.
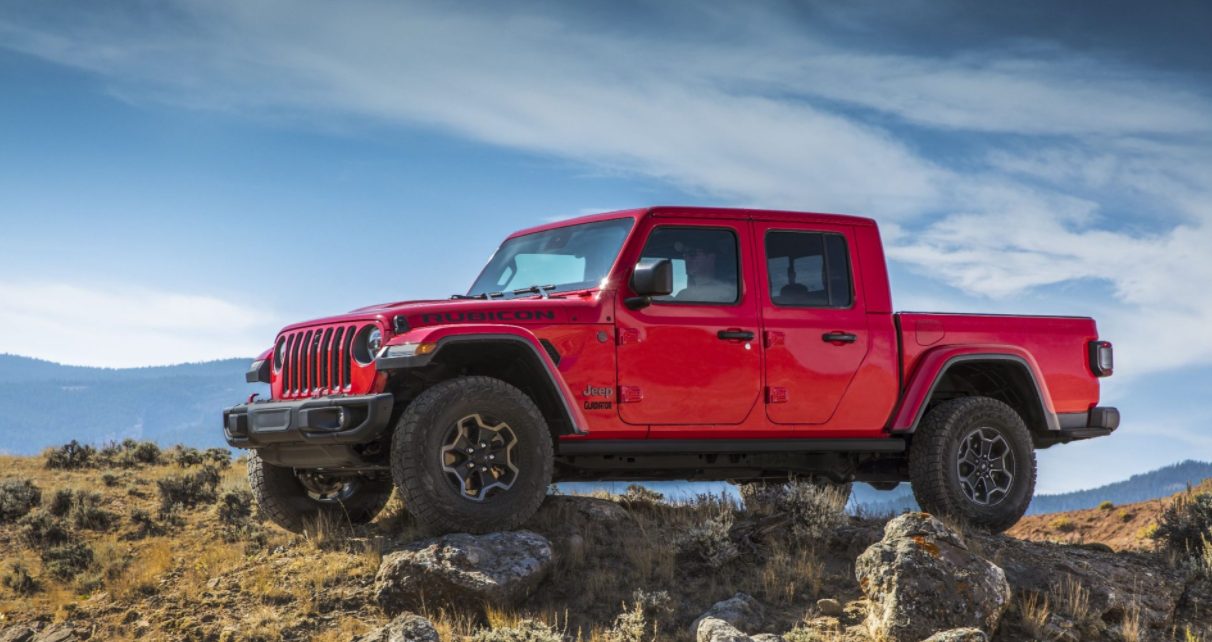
(630,394)
(776,395)
(629,335)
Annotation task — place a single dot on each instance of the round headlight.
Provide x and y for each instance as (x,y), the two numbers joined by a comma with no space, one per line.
(279,354)
(374,341)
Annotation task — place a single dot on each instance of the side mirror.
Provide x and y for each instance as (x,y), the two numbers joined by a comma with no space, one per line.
(652,277)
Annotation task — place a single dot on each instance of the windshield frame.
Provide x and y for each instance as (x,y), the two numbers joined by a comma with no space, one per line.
(614,265)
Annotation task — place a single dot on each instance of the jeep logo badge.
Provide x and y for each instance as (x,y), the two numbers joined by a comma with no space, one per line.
(591,391)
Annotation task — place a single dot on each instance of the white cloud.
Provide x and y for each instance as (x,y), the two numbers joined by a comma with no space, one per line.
(123,326)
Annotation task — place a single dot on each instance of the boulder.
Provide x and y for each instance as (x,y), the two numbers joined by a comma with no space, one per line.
(959,635)
(593,508)
(739,611)
(56,633)
(921,579)
(16,633)
(832,608)
(408,627)
(710,629)
(497,568)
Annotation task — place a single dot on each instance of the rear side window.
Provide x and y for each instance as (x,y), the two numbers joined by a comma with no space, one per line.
(809,270)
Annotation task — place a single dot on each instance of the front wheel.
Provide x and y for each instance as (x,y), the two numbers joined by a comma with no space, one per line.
(972,459)
(472,455)
(293,497)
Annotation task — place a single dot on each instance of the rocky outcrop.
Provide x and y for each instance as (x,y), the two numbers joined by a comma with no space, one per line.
(497,568)
(740,611)
(1114,584)
(408,627)
(922,579)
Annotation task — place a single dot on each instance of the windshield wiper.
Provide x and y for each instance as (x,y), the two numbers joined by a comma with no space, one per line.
(535,289)
(468,296)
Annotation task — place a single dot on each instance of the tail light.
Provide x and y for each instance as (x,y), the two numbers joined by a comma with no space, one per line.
(1102,358)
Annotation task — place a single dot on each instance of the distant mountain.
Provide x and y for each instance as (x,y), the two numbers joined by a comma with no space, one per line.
(44,403)
(1162,482)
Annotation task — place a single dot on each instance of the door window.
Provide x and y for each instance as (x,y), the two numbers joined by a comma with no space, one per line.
(705,264)
(808,270)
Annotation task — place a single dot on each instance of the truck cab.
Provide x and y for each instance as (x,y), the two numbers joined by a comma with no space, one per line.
(752,346)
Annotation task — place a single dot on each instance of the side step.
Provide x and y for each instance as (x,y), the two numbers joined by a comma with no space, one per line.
(727,446)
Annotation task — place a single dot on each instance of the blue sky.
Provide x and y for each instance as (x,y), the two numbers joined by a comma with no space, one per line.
(178,179)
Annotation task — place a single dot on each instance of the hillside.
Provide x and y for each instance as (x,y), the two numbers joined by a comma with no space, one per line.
(44,403)
(166,546)
(1162,482)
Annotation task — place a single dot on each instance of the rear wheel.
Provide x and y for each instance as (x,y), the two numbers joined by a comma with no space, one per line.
(973,459)
(293,497)
(472,455)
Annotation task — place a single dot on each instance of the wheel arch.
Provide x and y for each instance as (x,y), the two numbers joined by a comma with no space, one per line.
(1007,374)
(511,354)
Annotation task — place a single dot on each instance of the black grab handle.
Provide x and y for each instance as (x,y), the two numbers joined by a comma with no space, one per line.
(741,335)
(839,337)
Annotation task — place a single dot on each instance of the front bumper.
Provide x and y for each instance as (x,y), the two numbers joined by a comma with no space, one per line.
(322,421)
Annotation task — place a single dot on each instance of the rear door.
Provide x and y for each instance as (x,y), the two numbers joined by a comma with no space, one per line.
(815,324)
(694,355)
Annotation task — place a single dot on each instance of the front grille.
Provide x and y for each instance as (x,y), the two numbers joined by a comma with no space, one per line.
(318,360)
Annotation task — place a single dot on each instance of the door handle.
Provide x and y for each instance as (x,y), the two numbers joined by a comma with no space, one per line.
(735,335)
(838,337)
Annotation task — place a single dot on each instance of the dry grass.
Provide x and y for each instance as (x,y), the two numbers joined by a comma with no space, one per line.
(1034,612)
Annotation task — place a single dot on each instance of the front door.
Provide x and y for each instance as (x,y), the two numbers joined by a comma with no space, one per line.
(816,334)
(693,357)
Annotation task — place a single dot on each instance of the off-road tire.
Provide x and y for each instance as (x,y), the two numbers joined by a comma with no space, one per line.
(282,498)
(933,458)
(416,460)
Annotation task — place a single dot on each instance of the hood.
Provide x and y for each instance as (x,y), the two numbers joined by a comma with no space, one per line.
(521,311)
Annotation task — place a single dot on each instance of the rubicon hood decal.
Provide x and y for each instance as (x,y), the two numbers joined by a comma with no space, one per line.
(480,316)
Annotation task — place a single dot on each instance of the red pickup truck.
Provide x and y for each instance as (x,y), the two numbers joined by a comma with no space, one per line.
(665,343)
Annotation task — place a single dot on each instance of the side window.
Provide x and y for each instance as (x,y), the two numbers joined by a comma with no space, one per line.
(705,263)
(808,270)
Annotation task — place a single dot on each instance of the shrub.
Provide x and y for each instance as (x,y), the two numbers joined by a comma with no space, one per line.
(1107,505)
(1185,524)
(640,496)
(234,506)
(144,452)
(184,456)
(17,499)
(70,456)
(641,622)
(220,457)
(145,525)
(1062,524)
(710,541)
(19,581)
(86,512)
(1124,515)
(109,479)
(61,502)
(40,530)
(188,489)
(524,631)
(815,511)
(65,562)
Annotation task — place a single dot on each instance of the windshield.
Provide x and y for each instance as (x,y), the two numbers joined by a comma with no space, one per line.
(570,258)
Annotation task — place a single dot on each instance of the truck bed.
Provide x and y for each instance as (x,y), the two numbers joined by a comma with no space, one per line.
(1059,345)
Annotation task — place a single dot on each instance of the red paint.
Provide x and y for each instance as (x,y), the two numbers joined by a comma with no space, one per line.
(676,378)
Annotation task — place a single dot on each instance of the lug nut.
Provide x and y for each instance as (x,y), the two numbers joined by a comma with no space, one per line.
(470,450)
(492,456)
(483,469)
(483,445)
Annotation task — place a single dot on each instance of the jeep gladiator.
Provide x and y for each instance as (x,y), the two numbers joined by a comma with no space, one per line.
(681,343)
